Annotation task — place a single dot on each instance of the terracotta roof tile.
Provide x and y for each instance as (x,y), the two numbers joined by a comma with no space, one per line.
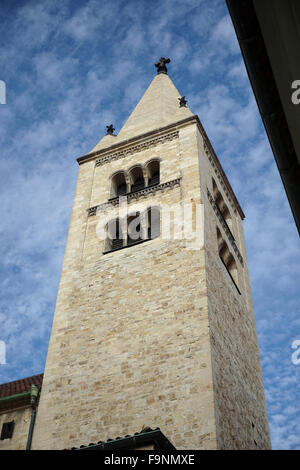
(20,386)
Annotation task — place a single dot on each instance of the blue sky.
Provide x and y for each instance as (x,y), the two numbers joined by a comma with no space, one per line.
(71,68)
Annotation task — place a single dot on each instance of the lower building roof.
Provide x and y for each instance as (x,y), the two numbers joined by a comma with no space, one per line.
(20,386)
(147,437)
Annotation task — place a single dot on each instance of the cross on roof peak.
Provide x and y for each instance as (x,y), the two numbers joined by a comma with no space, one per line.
(161,65)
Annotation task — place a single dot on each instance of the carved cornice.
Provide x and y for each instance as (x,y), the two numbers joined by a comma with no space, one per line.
(133,141)
(225,227)
(136,195)
(136,148)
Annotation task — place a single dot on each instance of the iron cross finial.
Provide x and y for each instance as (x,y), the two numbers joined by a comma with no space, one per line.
(161,65)
(110,129)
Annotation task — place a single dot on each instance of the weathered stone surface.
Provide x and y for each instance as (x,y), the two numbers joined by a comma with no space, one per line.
(21,417)
(155,334)
(158,107)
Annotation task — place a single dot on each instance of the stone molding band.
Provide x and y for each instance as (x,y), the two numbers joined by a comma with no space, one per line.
(134,195)
(136,148)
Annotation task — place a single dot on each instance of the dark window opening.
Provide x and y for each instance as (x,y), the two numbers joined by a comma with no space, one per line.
(153,223)
(122,189)
(137,179)
(114,239)
(153,172)
(154,179)
(227,260)
(134,234)
(7,430)
(140,228)
(116,244)
(138,184)
(222,208)
(118,185)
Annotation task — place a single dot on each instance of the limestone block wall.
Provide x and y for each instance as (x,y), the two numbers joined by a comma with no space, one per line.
(241,417)
(21,417)
(130,344)
(155,334)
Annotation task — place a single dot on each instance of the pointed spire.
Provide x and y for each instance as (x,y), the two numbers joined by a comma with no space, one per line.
(157,108)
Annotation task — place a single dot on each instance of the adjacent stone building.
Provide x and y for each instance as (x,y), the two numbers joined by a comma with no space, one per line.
(18,404)
(154,324)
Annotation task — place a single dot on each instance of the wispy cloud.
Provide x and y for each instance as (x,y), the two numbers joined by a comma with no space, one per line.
(73,68)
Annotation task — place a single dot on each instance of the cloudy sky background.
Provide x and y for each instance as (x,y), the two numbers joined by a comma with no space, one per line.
(70,69)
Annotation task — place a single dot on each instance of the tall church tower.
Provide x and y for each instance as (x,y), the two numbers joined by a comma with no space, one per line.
(154,322)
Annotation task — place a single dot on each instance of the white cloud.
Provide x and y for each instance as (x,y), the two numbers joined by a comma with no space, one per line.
(224,36)
(69,72)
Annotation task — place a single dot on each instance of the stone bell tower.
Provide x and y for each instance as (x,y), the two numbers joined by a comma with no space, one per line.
(153,327)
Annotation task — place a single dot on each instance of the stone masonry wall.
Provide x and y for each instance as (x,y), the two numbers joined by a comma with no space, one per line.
(155,334)
(241,417)
(130,344)
(21,417)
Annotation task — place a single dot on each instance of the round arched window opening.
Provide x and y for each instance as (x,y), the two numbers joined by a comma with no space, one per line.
(153,172)
(118,185)
(137,178)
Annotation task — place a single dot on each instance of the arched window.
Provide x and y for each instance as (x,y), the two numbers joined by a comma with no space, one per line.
(137,178)
(153,222)
(137,228)
(221,206)
(224,253)
(118,185)
(232,268)
(134,229)
(227,259)
(215,189)
(114,235)
(220,239)
(227,217)
(153,172)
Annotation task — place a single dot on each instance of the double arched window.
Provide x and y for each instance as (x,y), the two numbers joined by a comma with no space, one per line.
(227,259)
(221,206)
(136,178)
(133,229)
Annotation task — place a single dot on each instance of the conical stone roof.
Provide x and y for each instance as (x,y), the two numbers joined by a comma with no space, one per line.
(158,107)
